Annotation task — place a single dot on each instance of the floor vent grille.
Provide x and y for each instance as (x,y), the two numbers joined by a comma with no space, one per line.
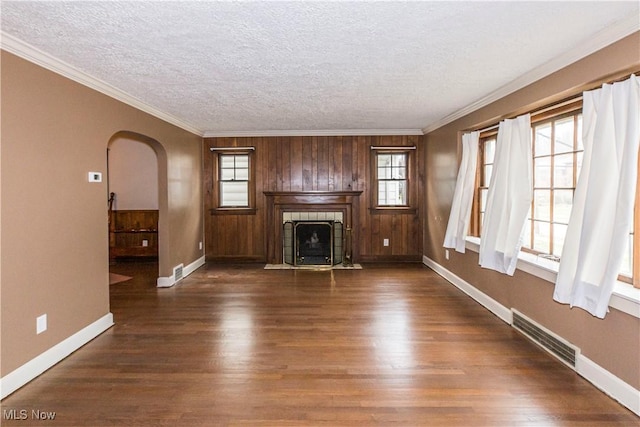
(558,347)
(177,273)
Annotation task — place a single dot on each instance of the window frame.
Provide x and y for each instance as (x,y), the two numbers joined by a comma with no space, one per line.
(475,226)
(552,118)
(411,182)
(216,188)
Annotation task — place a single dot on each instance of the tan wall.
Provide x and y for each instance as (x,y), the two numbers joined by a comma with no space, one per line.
(613,343)
(54,238)
(133,174)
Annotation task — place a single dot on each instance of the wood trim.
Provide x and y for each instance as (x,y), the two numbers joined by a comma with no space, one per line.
(393,210)
(390,258)
(233,211)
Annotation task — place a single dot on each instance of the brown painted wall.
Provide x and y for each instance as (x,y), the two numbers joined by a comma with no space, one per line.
(613,343)
(318,163)
(54,238)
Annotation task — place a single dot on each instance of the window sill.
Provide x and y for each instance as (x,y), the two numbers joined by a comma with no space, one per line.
(625,298)
(233,211)
(403,210)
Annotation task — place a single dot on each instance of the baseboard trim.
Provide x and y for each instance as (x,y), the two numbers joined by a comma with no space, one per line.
(167,282)
(388,258)
(485,300)
(609,384)
(602,379)
(36,366)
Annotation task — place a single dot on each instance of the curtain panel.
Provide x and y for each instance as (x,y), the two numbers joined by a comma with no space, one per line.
(460,215)
(603,204)
(509,196)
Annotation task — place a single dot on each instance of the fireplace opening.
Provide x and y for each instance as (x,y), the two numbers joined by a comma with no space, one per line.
(312,242)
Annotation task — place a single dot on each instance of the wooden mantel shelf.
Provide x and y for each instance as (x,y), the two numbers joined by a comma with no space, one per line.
(311,197)
(319,193)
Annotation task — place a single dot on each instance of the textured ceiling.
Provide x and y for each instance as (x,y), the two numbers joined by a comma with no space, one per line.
(265,67)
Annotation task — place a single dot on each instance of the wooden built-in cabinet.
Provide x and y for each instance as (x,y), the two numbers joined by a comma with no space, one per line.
(133,233)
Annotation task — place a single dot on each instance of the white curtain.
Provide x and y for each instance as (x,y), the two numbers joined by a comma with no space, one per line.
(604,198)
(509,196)
(460,214)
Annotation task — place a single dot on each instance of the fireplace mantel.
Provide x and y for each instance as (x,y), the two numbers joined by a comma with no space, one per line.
(311,197)
(278,202)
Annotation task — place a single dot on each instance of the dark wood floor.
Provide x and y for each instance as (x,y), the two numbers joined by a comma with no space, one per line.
(238,345)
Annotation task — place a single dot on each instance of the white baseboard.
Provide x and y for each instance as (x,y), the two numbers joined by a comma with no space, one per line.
(609,383)
(604,380)
(167,282)
(36,366)
(485,300)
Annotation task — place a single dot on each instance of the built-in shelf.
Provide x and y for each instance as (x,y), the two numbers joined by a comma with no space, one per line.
(133,233)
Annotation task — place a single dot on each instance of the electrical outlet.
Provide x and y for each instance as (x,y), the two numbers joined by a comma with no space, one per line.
(41,324)
(95,177)
(385,242)
(200,246)
(446,254)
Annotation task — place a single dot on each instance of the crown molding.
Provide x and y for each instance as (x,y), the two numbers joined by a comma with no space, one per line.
(325,132)
(32,54)
(600,40)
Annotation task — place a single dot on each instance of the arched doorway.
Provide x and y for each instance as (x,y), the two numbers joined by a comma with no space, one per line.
(137,187)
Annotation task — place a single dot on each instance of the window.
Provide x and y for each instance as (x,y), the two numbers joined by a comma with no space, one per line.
(557,158)
(392,179)
(487,156)
(233,185)
(234,180)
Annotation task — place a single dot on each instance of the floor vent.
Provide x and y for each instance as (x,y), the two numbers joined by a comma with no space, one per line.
(177,273)
(555,345)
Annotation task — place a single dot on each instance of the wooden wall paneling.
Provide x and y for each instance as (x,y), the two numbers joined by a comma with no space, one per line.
(307,163)
(335,181)
(386,232)
(296,163)
(347,163)
(323,163)
(401,235)
(331,174)
(360,156)
(271,167)
(374,240)
(279,164)
(284,144)
(361,233)
(312,164)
